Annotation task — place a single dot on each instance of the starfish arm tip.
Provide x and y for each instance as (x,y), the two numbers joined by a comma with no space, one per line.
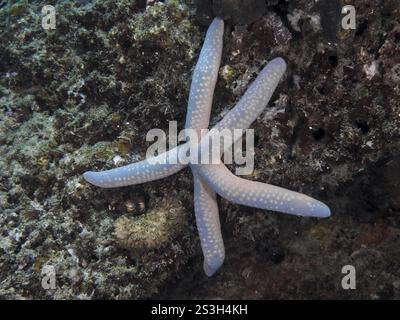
(304,206)
(218,20)
(323,211)
(279,62)
(315,208)
(208,224)
(212,266)
(91,177)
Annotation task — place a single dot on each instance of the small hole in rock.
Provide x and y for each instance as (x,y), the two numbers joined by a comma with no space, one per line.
(361,29)
(333,60)
(318,134)
(322,90)
(256,139)
(397,37)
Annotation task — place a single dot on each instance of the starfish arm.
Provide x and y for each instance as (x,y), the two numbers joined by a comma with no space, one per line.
(205,77)
(256,98)
(260,195)
(198,116)
(208,225)
(249,107)
(140,172)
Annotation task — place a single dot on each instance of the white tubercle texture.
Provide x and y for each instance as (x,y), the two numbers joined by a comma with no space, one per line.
(208,225)
(256,98)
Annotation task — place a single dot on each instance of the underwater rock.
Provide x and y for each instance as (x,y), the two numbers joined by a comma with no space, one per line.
(233,11)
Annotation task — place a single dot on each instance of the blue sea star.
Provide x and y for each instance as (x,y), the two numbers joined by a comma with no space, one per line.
(211,178)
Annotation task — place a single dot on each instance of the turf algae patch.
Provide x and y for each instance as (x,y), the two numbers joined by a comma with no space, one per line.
(151,231)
